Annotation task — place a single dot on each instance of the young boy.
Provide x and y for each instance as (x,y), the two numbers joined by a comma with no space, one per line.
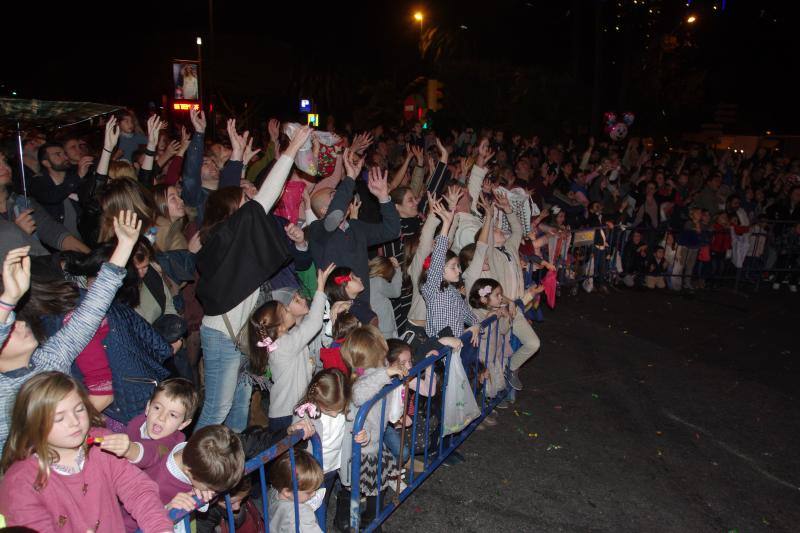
(169,410)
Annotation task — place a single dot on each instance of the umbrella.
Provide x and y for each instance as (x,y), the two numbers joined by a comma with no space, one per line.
(18,114)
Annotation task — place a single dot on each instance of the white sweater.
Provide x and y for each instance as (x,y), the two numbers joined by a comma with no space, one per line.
(292,364)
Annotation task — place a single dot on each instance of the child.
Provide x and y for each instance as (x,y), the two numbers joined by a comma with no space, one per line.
(446,307)
(56,479)
(169,410)
(343,286)
(655,268)
(277,341)
(281,496)
(365,352)
(399,355)
(486,297)
(331,357)
(21,356)
(212,461)
(385,282)
(324,405)
(246,516)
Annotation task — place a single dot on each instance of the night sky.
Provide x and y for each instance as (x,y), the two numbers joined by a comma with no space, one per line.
(119,52)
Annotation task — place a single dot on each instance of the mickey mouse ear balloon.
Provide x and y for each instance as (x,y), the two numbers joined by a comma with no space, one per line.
(619,131)
(628,118)
(610,117)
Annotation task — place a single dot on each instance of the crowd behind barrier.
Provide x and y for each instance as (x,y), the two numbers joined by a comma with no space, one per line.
(153,278)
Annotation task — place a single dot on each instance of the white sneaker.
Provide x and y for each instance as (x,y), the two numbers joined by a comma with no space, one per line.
(793,288)
(776,286)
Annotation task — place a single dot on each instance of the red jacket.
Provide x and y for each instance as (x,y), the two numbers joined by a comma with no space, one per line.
(332,357)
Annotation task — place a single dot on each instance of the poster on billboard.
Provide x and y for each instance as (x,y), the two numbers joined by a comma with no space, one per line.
(186,80)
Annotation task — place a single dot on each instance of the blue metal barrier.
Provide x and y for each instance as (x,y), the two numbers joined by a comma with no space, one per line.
(489,328)
(258,463)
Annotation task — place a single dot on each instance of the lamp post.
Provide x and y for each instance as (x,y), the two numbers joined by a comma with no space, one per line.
(420,17)
(200,67)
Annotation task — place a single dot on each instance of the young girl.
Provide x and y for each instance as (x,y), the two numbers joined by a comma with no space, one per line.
(21,356)
(486,298)
(324,405)
(446,307)
(331,357)
(365,352)
(278,342)
(343,286)
(281,496)
(57,479)
(385,282)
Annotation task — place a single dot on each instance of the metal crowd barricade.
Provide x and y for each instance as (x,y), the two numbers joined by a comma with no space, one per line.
(257,463)
(762,252)
(444,446)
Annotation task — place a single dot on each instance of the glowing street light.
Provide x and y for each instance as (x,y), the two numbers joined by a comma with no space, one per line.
(199,41)
(691,19)
(418,16)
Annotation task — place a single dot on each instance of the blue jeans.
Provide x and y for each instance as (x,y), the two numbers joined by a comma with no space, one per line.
(391,438)
(280,423)
(227,393)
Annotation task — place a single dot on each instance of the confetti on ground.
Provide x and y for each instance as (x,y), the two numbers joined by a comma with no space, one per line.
(765,521)
(557,407)
(505,482)
(417,509)
(595,396)
(516,412)
(697,436)
(659,453)
(520,431)
(533,435)
(659,433)
(553,447)
(526,413)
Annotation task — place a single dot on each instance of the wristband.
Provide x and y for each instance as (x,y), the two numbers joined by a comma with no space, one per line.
(149,152)
(6,307)
(107,150)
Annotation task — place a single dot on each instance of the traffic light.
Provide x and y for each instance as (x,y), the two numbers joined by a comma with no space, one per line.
(435,95)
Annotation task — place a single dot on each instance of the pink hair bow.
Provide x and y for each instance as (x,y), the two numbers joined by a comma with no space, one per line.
(267,343)
(485,291)
(307,410)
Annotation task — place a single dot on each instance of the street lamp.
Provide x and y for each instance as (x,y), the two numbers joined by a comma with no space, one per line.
(691,19)
(419,17)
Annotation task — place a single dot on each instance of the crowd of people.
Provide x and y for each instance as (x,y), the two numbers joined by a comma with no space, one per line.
(155,278)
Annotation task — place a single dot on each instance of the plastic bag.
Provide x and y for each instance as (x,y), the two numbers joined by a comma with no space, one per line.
(306,159)
(394,404)
(460,407)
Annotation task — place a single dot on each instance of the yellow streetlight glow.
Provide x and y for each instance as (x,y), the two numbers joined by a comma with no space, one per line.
(691,19)
(418,16)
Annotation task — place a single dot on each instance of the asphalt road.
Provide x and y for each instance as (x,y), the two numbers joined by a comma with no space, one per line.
(642,412)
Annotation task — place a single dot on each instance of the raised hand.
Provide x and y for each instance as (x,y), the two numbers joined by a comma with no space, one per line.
(198,119)
(361,142)
(111,135)
(352,163)
(154,127)
(453,195)
(322,276)
(301,135)
(295,234)
(186,139)
(443,155)
(238,142)
(126,227)
(501,200)
(274,129)
(355,207)
(485,153)
(16,275)
(249,152)
(378,184)
(418,155)
(183,501)
(172,149)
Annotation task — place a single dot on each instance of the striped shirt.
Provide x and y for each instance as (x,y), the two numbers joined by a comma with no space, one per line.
(60,350)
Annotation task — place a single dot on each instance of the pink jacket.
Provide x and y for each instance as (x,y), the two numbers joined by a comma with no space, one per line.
(84,501)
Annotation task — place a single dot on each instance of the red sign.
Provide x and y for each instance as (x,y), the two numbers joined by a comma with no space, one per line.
(408,107)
